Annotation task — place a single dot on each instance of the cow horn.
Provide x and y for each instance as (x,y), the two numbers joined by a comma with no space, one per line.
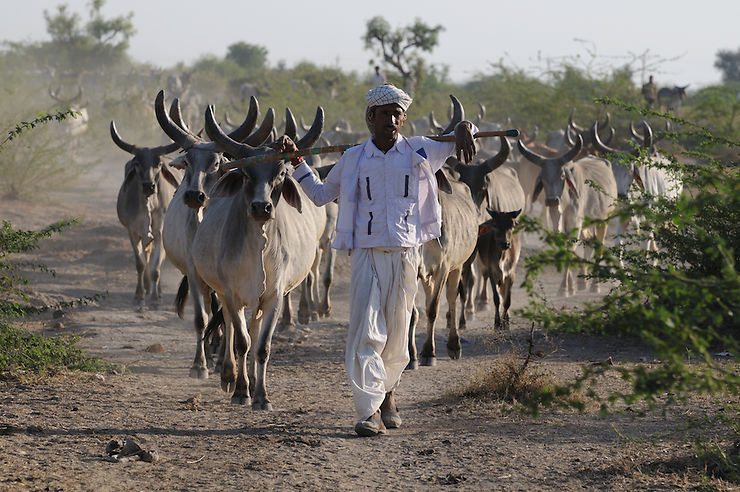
(533,157)
(313,133)
(249,122)
(262,133)
(601,146)
(291,128)
(568,137)
(606,121)
(182,137)
(176,116)
(608,139)
(634,134)
(458,114)
(433,123)
(481,112)
(573,152)
(497,160)
(228,121)
(571,123)
(127,147)
(304,127)
(225,142)
(647,132)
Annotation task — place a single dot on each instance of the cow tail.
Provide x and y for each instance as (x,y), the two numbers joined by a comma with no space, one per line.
(213,326)
(182,297)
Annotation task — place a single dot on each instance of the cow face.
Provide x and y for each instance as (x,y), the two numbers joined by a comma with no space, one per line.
(147,167)
(476,177)
(202,170)
(261,186)
(624,175)
(501,225)
(552,179)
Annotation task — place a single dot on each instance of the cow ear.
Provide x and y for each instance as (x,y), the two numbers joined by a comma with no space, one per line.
(638,179)
(569,182)
(128,172)
(537,188)
(514,214)
(442,182)
(178,162)
(485,227)
(171,178)
(228,184)
(291,195)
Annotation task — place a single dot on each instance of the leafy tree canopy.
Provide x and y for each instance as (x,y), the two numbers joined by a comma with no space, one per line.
(248,56)
(729,63)
(401,47)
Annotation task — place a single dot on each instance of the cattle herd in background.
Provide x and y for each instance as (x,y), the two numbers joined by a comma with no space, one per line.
(244,235)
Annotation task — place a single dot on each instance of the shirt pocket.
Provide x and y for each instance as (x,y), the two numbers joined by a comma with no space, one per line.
(405,183)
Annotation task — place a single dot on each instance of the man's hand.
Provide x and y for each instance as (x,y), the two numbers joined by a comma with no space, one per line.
(464,141)
(284,144)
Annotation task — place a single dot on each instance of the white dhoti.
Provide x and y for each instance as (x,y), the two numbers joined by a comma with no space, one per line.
(383,288)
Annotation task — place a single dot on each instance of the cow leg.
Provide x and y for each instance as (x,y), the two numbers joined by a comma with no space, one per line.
(271,312)
(287,320)
(482,298)
(325,309)
(413,360)
(199,369)
(155,266)
(601,237)
(242,343)
(139,258)
(496,302)
(232,317)
(432,289)
(506,285)
(454,348)
(305,305)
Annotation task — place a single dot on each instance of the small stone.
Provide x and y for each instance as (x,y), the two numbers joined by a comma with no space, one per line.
(99,378)
(58,325)
(156,348)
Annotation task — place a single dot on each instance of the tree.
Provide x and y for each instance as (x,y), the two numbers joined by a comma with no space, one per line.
(729,63)
(249,56)
(400,47)
(99,41)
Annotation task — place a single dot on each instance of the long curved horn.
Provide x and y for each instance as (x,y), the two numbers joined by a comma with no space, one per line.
(127,147)
(481,112)
(601,146)
(433,123)
(606,121)
(497,160)
(647,132)
(176,116)
(568,138)
(533,157)
(572,153)
(304,126)
(181,137)
(249,122)
(609,138)
(228,121)
(458,114)
(226,143)
(572,123)
(291,128)
(262,133)
(634,134)
(313,133)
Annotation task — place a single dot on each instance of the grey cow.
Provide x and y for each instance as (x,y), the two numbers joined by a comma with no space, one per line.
(575,190)
(143,199)
(252,247)
(203,164)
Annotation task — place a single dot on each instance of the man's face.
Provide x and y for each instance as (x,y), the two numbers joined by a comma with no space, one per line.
(388,121)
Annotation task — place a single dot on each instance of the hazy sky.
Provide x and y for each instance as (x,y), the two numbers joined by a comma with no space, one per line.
(679,40)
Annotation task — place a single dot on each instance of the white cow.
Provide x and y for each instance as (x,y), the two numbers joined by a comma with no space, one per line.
(575,190)
(252,248)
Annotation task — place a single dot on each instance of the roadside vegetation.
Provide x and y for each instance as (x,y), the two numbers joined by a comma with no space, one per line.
(682,302)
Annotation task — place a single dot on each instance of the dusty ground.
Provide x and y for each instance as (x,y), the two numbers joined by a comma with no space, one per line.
(53,435)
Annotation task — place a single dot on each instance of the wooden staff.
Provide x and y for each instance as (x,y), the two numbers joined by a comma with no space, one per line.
(286,156)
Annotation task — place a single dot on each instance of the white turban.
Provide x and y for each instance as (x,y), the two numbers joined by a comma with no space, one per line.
(387,94)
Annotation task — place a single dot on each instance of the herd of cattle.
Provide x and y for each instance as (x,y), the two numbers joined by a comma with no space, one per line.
(244,235)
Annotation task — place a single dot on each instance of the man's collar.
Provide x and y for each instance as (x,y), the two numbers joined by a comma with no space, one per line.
(373,151)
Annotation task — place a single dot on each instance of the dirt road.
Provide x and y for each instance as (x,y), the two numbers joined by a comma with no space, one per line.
(53,435)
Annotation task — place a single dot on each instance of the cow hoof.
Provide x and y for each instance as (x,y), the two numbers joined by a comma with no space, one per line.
(241,400)
(454,353)
(428,361)
(228,386)
(325,312)
(565,293)
(264,405)
(412,365)
(198,372)
(314,316)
